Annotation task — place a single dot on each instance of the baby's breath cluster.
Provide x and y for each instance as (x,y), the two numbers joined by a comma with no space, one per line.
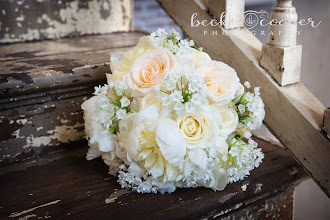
(183,91)
(112,103)
(173,42)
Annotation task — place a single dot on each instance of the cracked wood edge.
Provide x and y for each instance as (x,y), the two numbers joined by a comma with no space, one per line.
(293,114)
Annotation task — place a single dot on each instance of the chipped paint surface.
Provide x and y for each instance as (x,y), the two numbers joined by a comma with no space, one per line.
(278,206)
(17,214)
(67,18)
(244,186)
(112,198)
(226,197)
(32,130)
(62,134)
(258,187)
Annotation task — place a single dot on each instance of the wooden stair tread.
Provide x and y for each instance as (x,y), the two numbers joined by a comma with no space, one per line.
(65,185)
(27,67)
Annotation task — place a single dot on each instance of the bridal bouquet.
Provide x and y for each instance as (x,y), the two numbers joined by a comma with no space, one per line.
(170,116)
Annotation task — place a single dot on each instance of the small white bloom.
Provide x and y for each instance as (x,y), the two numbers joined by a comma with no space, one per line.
(179,107)
(247,84)
(241,108)
(191,43)
(124,102)
(196,99)
(110,84)
(176,96)
(120,85)
(247,134)
(166,100)
(120,114)
(189,106)
(96,90)
(170,85)
(257,91)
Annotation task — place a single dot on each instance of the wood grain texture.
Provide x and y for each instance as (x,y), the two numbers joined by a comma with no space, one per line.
(282,63)
(34,67)
(293,114)
(28,20)
(326,121)
(233,12)
(65,185)
(42,86)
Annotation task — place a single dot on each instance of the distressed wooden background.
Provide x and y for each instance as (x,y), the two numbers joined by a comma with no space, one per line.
(26,20)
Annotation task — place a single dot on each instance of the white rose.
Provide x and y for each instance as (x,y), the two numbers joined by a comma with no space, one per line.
(222,81)
(148,71)
(201,127)
(229,121)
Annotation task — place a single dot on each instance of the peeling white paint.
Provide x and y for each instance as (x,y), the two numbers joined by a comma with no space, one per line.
(62,134)
(258,187)
(40,128)
(27,217)
(17,214)
(112,198)
(73,19)
(21,121)
(226,197)
(244,187)
(64,121)
(20,18)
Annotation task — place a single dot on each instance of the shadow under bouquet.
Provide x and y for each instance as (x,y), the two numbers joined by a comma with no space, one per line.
(170,116)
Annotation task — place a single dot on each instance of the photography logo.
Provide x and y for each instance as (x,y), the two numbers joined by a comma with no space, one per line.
(253,18)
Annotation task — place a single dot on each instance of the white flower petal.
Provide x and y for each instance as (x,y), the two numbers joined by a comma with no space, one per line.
(149,114)
(115,59)
(93,152)
(221,146)
(170,141)
(136,170)
(198,157)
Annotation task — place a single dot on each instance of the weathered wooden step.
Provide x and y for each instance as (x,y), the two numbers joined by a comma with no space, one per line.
(65,185)
(42,85)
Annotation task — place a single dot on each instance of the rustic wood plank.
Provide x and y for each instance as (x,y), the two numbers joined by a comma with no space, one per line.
(293,114)
(38,20)
(65,185)
(42,86)
(31,67)
(326,121)
(278,206)
(232,11)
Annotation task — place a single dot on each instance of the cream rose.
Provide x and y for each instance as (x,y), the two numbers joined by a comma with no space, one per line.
(200,128)
(120,64)
(148,71)
(222,81)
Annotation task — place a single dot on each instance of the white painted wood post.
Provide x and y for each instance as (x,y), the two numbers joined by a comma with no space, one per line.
(281,57)
(230,12)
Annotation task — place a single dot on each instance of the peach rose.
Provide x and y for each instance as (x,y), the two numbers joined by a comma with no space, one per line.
(222,81)
(148,71)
